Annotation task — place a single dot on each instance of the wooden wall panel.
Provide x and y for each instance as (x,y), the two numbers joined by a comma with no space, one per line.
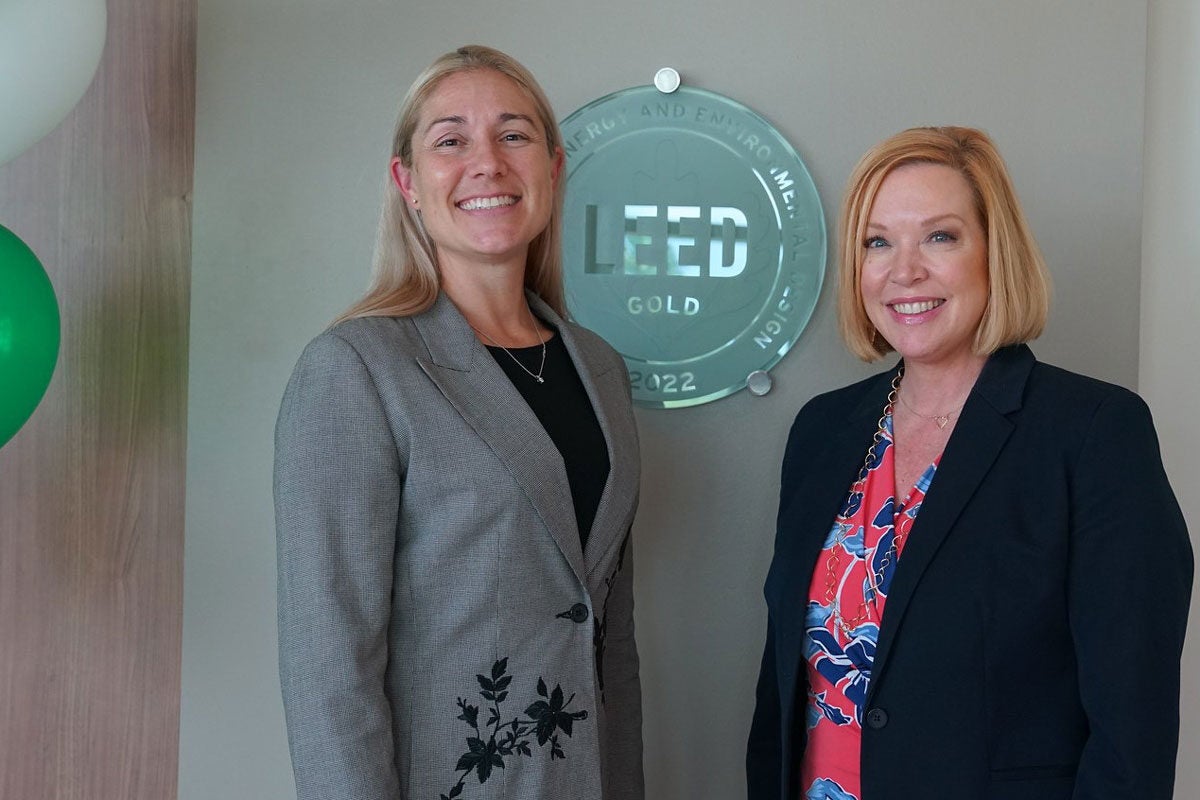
(91,490)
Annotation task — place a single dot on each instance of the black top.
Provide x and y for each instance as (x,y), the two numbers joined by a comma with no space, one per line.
(562,406)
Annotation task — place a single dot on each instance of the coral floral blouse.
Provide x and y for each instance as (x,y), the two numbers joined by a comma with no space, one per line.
(846,601)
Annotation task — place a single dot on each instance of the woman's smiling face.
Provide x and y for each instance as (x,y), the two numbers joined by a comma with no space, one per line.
(924,277)
(482,176)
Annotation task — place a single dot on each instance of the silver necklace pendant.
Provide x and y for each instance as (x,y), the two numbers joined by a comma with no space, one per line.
(537,376)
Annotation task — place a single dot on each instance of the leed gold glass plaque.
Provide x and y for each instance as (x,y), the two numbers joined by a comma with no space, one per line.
(694,240)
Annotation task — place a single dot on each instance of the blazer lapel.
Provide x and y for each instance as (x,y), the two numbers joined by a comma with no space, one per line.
(977,440)
(610,402)
(474,384)
(807,508)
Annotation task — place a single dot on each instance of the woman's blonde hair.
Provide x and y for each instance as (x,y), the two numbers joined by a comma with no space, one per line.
(1018,283)
(405,279)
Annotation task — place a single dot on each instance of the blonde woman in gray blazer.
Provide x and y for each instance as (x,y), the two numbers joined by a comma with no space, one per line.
(455,480)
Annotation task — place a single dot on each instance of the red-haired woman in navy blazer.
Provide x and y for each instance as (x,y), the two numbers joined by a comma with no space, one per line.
(981,576)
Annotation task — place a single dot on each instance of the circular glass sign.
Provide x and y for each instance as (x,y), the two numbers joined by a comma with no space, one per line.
(694,240)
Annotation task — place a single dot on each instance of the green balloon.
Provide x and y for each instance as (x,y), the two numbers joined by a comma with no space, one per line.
(28,333)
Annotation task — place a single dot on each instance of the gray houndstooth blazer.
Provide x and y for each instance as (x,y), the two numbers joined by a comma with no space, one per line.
(441,633)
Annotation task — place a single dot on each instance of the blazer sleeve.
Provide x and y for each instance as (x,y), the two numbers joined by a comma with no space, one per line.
(337,492)
(764,753)
(623,688)
(1129,584)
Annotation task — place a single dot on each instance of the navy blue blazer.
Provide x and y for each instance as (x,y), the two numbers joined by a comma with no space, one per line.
(1030,648)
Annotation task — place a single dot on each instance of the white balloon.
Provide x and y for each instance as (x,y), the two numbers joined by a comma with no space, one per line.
(49,51)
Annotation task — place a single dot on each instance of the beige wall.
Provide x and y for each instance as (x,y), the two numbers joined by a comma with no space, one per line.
(295,103)
(1170,327)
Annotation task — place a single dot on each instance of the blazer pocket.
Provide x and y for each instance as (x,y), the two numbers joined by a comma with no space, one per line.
(1051,782)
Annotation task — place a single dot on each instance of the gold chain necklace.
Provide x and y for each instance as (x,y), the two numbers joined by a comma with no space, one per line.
(941,420)
(899,534)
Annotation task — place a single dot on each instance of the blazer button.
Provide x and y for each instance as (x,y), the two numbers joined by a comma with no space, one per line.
(576,613)
(877,718)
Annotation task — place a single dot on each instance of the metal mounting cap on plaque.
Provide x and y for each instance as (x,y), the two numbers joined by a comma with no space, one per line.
(694,240)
